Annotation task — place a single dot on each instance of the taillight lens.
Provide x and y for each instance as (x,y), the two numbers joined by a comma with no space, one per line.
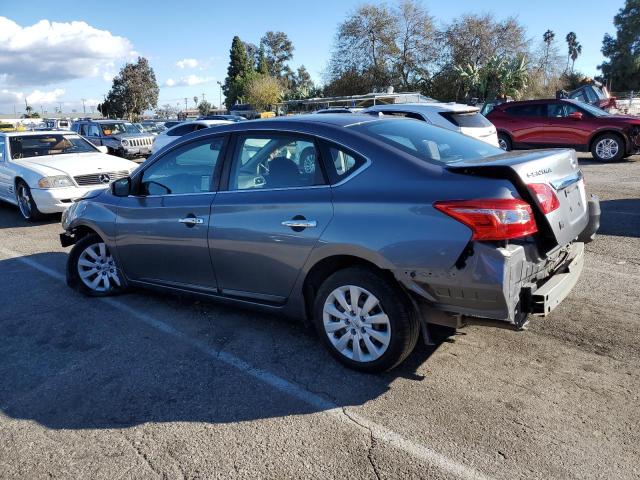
(492,219)
(545,195)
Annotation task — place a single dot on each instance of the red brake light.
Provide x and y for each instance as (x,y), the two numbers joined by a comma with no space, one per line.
(545,195)
(492,219)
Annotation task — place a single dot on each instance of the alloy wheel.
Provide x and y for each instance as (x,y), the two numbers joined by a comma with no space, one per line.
(502,143)
(607,148)
(356,324)
(97,268)
(24,201)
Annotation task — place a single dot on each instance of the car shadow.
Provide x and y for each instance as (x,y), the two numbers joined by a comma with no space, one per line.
(10,217)
(71,362)
(593,161)
(620,217)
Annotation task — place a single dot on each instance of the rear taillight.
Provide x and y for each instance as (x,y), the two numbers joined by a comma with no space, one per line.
(492,219)
(545,195)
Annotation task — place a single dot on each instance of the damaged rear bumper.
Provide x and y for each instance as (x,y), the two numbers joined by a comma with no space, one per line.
(504,284)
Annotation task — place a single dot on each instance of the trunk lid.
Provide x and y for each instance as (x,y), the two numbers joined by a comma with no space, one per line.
(556,168)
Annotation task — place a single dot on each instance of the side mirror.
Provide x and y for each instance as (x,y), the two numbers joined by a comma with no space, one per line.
(576,115)
(103,149)
(121,187)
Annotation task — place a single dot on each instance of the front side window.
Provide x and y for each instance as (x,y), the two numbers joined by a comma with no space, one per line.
(275,162)
(48,144)
(118,128)
(561,110)
(187,169)
(428,143)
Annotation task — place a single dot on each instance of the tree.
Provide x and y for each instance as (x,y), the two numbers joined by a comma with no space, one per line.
(239,72)
(133,91)
(548,38)
(497,78)
(277,50)
(263,91)
(415,44)
(204,107)
(622,69)
(301,85)
(574,49)
(473,40)
(364,45)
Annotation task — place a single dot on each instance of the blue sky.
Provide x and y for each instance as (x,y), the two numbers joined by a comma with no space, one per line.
(168,32)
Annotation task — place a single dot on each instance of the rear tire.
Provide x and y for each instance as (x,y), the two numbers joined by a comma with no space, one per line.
(92,270)
(504,142)
(365,321)
(608,148)
(26,203)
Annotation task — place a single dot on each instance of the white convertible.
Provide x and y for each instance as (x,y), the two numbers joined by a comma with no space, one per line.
(43,172)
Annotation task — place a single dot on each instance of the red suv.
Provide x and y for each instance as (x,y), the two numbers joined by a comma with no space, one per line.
(566,123)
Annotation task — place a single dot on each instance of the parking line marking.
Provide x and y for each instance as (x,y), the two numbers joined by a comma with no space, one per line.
(417,450)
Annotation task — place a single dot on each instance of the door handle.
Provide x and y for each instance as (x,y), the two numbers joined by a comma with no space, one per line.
(300,223)
(191,221)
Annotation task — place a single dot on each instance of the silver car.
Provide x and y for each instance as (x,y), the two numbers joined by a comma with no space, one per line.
(374,230)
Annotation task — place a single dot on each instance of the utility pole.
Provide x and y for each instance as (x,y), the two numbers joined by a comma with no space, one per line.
(185,103)
(84,109)
(203,99)
(220,95)
(42,110)
(60,107)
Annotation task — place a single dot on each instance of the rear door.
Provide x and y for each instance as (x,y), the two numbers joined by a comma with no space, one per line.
(527,123)
(162,230)
(270,215)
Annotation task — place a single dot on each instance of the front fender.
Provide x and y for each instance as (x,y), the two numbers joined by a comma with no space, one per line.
(97,216)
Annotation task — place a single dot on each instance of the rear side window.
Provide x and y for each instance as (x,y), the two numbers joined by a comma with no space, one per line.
(466,119)
(394,113)
(536,110)
(340,163)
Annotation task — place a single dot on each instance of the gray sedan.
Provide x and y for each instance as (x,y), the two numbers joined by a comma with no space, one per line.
(373,230)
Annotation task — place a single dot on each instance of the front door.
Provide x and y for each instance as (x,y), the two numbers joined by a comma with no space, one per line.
(270,215)
(6,174)
(564,130)
(162,230)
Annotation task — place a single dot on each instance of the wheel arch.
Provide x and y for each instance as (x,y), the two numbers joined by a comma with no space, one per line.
(608,131)
(327,266)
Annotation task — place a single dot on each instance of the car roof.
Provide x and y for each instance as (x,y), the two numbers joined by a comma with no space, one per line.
(541,101)
(416,107)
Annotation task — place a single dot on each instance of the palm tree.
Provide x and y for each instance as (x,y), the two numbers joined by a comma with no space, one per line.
(548,38)
(575,49)
(195,101)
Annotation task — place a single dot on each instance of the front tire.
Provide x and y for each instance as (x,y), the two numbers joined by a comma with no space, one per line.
(26,203)
(364,320)
(608,148)
(92,270)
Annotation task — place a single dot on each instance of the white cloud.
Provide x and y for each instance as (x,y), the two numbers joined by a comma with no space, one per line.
(188,81)
(38,97)
(50,52)
(187,63)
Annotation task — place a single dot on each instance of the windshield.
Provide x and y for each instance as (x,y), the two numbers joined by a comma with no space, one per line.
(593,110)
(118,128)
(426,142)
(47,144)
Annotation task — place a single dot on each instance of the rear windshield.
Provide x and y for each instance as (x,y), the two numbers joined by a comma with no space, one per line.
(48,144)
(467,119)
(426,142)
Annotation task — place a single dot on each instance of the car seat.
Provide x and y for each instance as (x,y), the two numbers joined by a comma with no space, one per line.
(282,173)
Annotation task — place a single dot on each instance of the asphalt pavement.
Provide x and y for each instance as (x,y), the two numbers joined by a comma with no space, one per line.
(145,385)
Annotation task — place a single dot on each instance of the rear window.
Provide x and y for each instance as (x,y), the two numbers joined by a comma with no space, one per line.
(426,142)
(467,119)
(536,110)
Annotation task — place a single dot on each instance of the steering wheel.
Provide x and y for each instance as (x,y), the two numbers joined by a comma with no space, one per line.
(262,168)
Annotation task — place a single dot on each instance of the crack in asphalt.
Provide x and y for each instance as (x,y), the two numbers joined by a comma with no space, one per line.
(372,442)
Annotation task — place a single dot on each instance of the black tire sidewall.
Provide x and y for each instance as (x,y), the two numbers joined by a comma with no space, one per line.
(621,148)
(35,214)
(404,325)
(505,137)
(73,277)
